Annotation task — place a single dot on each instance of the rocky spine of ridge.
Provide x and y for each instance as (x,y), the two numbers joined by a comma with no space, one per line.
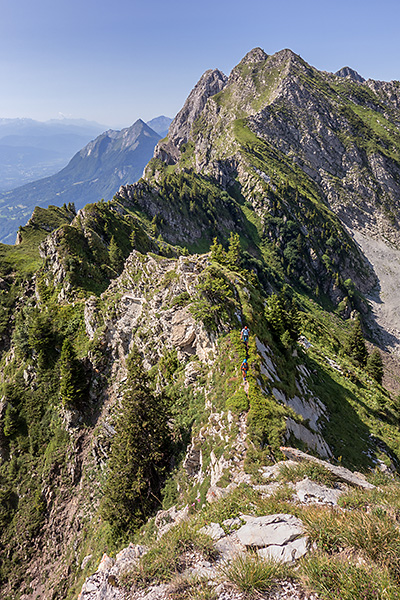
(212,82)
(338,132)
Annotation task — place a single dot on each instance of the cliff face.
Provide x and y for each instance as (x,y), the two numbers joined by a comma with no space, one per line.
(209,84)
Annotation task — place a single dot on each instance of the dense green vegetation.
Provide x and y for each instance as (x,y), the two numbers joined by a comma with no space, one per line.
(138,454)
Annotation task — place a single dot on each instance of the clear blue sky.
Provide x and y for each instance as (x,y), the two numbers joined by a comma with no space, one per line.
(119,60)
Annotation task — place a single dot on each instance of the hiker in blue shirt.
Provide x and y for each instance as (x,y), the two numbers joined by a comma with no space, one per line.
(244,335)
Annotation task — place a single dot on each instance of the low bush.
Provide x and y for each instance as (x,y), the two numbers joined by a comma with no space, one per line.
(171,555)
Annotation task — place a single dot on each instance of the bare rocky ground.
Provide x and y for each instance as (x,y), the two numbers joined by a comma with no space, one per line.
(385,303)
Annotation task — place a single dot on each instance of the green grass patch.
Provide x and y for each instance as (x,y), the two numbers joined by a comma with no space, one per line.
(254,575)
(171,555)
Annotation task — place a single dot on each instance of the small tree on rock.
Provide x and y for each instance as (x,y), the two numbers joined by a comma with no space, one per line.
(282,318)
(217,252)
(115,255)
(72,376)
(234,254)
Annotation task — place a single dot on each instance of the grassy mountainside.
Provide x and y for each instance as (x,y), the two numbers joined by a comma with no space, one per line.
(124,305)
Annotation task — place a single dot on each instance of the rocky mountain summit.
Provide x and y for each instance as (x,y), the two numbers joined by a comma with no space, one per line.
(339,138)
(132,436)
(350,73)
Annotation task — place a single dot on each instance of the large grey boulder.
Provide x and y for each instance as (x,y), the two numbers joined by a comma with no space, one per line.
(279,536)
(310,491)
(278,529)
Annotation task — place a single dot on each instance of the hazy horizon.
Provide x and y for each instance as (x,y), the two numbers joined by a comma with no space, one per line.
(115,63)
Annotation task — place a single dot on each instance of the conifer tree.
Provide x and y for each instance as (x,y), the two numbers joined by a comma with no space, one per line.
(115,255)
(234,258)
(282,317)
(138,454)
(72,377)
(217,252)
(355,346)
(375,365)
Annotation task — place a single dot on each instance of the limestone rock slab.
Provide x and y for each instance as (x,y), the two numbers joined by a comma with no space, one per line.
(278,529)
(287,553)
(214,530)
(310,491)
(341,473)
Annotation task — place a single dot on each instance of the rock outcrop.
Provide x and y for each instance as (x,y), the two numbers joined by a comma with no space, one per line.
(212,82)
(341,473)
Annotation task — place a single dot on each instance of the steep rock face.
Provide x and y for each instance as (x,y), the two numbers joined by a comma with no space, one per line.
(179,225)
(49,251)
(359,186)
(210,83)
(350,73)
(388,91)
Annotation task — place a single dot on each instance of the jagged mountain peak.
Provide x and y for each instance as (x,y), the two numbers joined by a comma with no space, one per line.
(112,159)
(209,84)
(126,137)
(350,74)
(260,71)
(254,56)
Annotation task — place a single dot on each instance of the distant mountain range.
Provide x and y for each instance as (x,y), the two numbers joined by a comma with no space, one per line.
(97,171)
(30,150)
(160,125)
